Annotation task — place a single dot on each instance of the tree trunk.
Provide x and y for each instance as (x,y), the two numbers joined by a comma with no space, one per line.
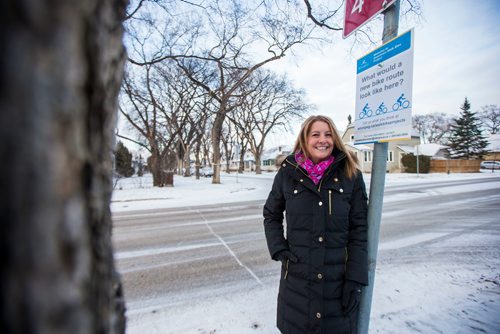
(180,154)
(61,65)
(258,163)
(156,168)
(197,159)
(227,153)
(187,161)
(258,156)
(216,138)
(242,161)
(168,164)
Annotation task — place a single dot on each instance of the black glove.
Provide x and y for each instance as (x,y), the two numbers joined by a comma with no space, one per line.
(351,295)
(285,255)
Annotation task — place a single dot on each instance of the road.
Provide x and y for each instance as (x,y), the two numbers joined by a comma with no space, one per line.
(168,257)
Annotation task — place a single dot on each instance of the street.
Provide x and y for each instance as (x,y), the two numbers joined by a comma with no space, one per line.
(173,257)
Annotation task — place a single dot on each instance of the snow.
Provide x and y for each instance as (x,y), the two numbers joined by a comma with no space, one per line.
(135,193)
(430,149)
(405,242)
(442,292)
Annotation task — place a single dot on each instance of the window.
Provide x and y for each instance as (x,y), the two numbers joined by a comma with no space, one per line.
(368,156)
(390,156)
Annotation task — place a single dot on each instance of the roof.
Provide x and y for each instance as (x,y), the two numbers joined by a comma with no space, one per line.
(493,143)
(430,149)
(359,147)
(406,148)
(273,152)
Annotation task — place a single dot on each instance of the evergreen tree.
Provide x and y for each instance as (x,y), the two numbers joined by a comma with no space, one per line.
(466,139)
(123,160)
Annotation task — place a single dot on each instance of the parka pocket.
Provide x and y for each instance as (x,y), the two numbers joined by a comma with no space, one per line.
(294,192)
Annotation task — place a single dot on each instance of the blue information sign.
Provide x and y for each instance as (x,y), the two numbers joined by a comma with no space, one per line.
(384,92)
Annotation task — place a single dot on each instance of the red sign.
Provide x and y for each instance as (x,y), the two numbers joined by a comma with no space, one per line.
(358,12)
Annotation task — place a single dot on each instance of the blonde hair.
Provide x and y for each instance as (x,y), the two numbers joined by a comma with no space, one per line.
(351,164)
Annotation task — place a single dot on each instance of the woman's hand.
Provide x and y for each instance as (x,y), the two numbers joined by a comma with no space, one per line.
(286,255)
(351,295)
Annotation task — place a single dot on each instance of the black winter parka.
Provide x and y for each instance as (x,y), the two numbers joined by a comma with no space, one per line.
(326,229)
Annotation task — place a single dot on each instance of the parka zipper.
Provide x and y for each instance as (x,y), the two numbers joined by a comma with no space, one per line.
(330,202)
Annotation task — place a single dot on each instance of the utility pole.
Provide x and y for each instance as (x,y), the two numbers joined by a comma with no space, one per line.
(377,184)
(417,161)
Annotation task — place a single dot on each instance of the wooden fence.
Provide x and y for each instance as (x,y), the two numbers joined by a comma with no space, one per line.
(455,166)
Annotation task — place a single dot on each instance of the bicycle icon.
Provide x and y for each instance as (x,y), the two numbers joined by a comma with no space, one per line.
(382,109)
(366,112)
(401,103)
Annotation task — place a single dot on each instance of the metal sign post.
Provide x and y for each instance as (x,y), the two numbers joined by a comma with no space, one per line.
(391,22)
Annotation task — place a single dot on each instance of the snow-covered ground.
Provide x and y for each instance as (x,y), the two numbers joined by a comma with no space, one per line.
(136,193)
(445,287)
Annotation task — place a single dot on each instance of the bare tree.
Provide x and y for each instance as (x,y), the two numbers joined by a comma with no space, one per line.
(144,112)
(228,143)
(60,71)
(241,141)
(419,123)
(161,106)
(270,104)
(200,137)
(433,128)
(184,111)
(228,36)
(490,117)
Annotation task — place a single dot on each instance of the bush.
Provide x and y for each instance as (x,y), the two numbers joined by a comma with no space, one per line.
(409,162)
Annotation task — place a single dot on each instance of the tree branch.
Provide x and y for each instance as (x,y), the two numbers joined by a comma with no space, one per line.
(319,23)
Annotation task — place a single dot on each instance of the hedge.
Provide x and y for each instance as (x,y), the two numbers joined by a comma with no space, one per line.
(409,162)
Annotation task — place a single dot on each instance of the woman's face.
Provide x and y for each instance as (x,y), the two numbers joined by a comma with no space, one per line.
(319,142)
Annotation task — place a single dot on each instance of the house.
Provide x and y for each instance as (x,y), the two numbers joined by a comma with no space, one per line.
(248,162)
(273,157)
(270,159)
(493,148)
(396,150)
(363,153)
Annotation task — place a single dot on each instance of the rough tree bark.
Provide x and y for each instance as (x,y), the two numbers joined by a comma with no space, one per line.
(60,71)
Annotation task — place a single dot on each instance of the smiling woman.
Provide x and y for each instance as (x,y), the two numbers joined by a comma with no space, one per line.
(324,257)
(319,142)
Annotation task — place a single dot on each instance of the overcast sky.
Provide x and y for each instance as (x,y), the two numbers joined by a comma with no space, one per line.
(456,54)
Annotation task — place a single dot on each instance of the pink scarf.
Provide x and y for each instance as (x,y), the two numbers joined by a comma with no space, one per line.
(315,171)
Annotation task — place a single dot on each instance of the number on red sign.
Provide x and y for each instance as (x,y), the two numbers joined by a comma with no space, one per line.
(358,6)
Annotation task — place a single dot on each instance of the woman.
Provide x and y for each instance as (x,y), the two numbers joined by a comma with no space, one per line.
(323,253)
